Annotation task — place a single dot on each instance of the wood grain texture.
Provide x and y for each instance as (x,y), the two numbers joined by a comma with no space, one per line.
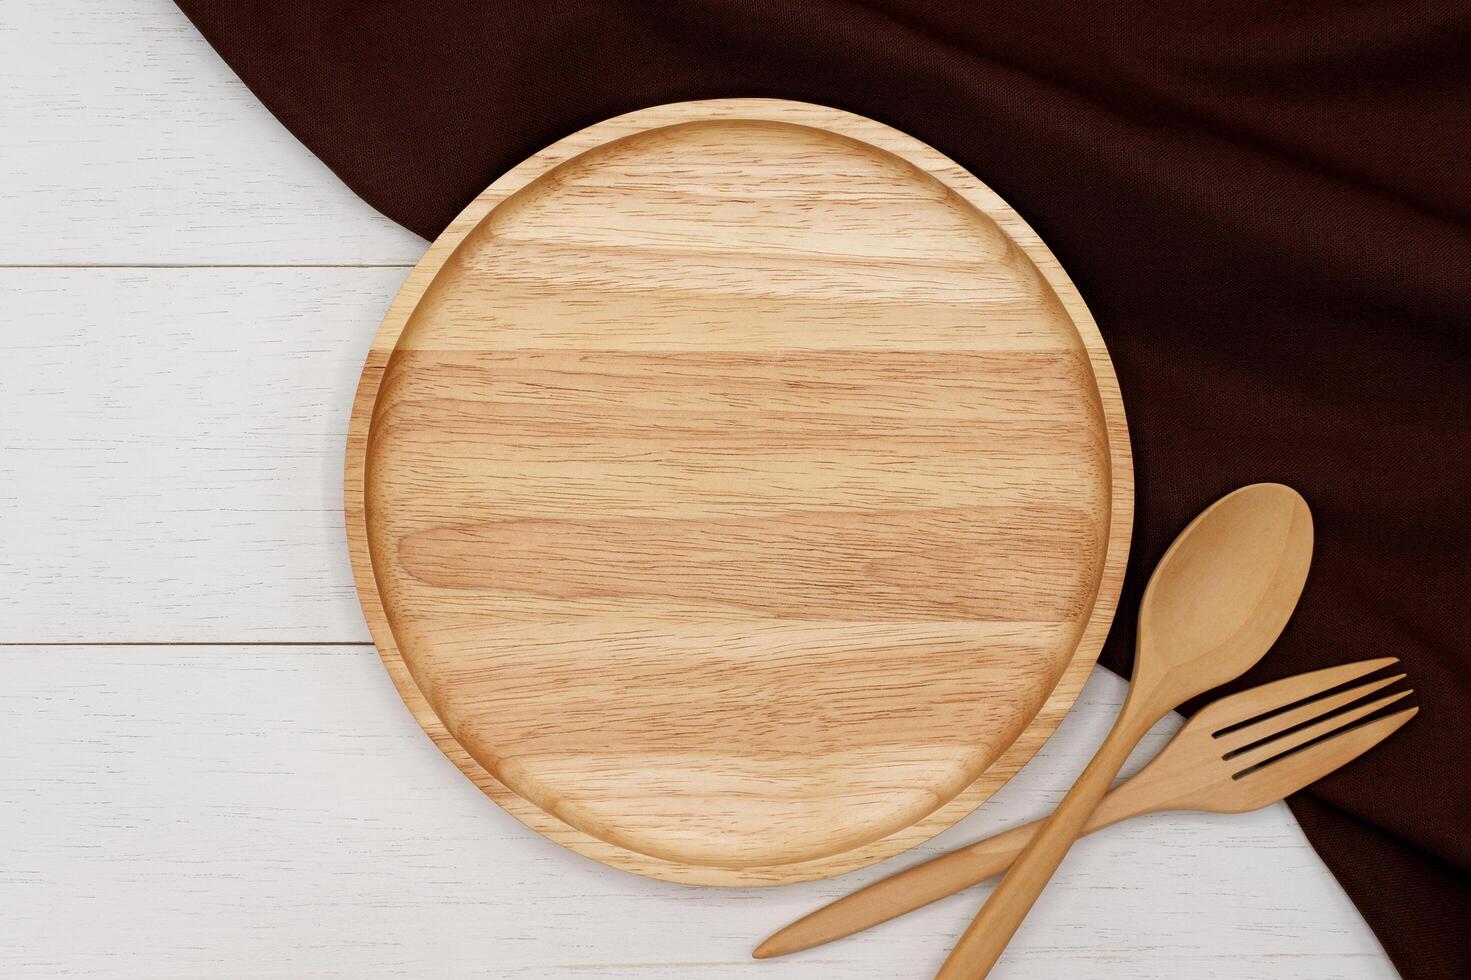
(745,488)
(1215,604)
(270,811)
(119,116)
(275,813)
(171,797)
(170,452)
(1197,771)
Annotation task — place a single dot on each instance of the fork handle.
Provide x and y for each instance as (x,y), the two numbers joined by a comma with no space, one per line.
(936,878)
(982,944)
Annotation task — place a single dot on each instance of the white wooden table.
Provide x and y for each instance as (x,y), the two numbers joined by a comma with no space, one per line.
(204,769)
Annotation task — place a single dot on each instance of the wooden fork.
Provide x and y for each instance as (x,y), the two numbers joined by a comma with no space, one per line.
(1236,754)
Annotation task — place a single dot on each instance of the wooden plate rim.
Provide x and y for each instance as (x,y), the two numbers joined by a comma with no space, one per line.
(961,181)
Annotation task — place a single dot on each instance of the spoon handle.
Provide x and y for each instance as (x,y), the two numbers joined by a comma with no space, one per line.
(982,944)
(939,877)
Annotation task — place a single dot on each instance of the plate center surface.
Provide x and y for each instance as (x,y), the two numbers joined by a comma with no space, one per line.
(737,492)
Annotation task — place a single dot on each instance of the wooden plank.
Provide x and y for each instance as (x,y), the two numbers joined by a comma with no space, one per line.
(276,813)
(171,449)
(125,139)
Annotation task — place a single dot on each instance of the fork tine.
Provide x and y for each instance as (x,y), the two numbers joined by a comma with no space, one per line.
(1258,701)
(1285,776)
(1239,738)
(1270,750)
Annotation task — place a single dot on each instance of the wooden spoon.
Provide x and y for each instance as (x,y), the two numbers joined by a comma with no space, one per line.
(1213,764)
(1216,603)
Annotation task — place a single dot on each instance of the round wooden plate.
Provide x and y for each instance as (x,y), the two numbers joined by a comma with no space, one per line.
(738,491)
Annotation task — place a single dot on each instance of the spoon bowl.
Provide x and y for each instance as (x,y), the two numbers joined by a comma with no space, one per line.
(1222,593)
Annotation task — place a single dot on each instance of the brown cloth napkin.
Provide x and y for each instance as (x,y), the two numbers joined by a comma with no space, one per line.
(1266,204)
